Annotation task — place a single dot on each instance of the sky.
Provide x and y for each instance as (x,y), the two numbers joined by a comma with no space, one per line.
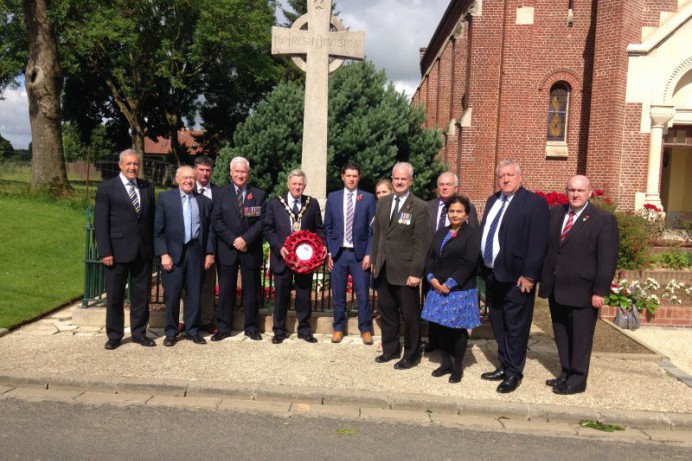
(395,30)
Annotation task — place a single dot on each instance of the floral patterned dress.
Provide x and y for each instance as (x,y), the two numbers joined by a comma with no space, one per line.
(458,309)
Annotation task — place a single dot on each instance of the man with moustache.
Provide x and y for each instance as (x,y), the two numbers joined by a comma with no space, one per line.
(183,242)
(447,185)
(583,245)
(513,246)
(286,214)
(347,218)
(123,225)
(401,237)
(238,219)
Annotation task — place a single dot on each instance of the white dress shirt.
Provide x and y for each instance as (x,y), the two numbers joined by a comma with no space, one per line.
(126,183)
(491,216)
(344,243)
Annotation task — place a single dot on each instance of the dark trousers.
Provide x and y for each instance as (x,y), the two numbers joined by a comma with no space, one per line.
(186,274)
(573,328)
(228,282)
(452,343)
(345,263)
(207,312)
(511,312)
(393,299)
(139,271)
(282,300)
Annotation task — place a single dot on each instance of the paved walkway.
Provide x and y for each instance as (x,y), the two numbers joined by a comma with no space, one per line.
(53,352)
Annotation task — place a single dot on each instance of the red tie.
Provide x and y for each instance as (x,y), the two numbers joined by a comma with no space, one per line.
(568,226)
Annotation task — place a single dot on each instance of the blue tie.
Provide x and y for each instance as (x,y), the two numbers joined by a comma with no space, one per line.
(187,217)
(488,250)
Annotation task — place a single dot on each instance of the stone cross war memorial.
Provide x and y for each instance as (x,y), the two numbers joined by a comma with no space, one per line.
(318,43)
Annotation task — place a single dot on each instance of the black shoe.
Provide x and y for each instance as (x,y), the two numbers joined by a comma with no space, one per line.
(219,335)
(566,389)
(278,339)
(384,358)
(309,338)
(144,341)
(111,345)
(405,364)
(455,378)
(170,341)
(197,339)
(496,375)
(509,384)
(254,335)
(555,382)
(438,372)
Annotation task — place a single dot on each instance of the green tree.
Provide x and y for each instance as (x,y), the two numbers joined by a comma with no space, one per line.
(6,149)
(71,144)
(369,123)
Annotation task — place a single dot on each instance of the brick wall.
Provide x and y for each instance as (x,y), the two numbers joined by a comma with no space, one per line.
(669,316)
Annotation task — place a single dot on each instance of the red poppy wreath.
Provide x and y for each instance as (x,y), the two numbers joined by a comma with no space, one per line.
(306,252)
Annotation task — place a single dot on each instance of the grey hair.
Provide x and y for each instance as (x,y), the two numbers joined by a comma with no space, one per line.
(406,165)
(183,167)
(296,172)
(504,163)
(125,153)
(242,160)
(453,175)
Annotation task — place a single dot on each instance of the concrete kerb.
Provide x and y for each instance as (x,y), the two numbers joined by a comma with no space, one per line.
(395,402)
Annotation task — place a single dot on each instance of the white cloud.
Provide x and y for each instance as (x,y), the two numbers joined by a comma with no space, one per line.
(14,117)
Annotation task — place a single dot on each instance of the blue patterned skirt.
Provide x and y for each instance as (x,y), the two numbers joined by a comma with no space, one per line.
(458,309)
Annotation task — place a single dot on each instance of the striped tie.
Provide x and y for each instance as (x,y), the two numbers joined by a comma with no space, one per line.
(568,226)
(488,251)
(443,217)
(133,198)
(348,233)
(240,201)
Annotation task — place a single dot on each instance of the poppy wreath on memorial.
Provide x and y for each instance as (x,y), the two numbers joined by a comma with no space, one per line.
(306,252)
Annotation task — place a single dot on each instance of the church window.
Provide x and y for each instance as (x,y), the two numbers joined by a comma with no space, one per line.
(558,110)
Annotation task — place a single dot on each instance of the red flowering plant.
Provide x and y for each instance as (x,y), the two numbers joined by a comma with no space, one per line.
(306,252)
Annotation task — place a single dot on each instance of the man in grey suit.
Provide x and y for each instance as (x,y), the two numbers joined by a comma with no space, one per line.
(401,237)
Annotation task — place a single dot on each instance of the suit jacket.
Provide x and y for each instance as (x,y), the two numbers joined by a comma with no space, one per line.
(362,216)
(458,259)
(523,236)
(403,246)
(228,225)
(119,231)
(434,205)
(169,225)
(584,263)
(277,226)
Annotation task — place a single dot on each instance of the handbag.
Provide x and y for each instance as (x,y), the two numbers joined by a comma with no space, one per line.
(627,318)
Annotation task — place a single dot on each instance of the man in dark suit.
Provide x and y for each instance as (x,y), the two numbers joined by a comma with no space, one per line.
(347,218)
(287,214)
(513,246)
(182,240)
(238,215)
(204,169)
(580,265)
(401,237)
(123,224)
(447,185)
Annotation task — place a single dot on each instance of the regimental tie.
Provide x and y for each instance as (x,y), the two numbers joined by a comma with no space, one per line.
(239,195)
(348,233)
(488,250)
(395,211)
(187,217)
(443,217)
(133,198)
(201,190)
(568,226)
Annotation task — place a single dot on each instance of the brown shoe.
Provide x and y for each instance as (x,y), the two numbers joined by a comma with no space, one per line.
(367,338)
(337,336)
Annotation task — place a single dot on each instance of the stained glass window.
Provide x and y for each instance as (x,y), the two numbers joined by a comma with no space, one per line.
(557,112)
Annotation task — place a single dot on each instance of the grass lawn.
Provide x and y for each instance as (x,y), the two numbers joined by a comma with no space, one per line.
(41,257)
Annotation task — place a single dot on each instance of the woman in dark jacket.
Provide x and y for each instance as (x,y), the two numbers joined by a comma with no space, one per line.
(452,301)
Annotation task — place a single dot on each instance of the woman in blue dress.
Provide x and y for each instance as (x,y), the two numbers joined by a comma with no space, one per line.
(452,301)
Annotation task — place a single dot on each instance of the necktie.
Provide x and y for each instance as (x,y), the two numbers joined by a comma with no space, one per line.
(348,233)
(488,251)
(239,196)
(201,190)
(395,211)
(133,198)
(295,208)
(187,217)
(443,217)
(568,226)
